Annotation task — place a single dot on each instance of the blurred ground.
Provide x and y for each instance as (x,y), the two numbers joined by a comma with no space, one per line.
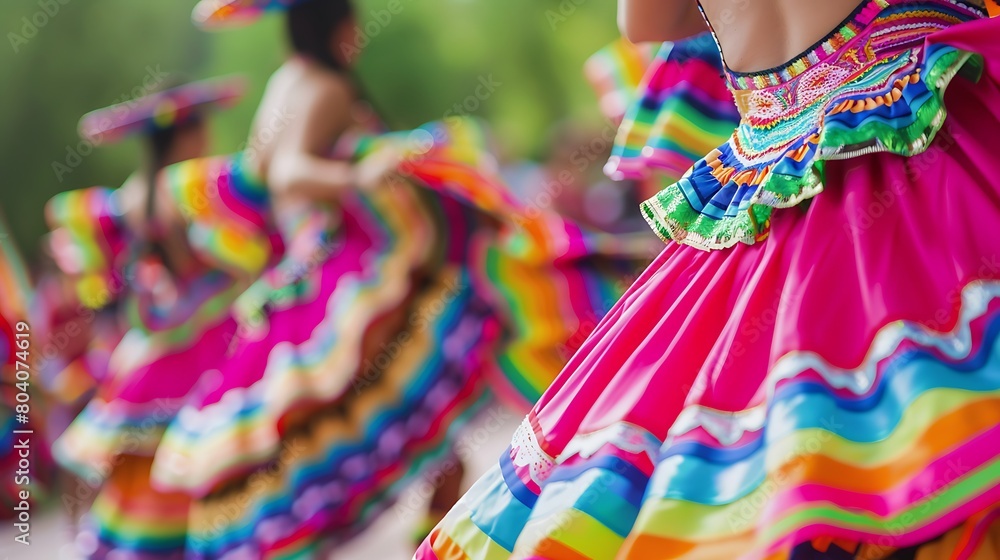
(389,538)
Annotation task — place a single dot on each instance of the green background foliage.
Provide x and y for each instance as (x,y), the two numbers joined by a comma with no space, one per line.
(417,66)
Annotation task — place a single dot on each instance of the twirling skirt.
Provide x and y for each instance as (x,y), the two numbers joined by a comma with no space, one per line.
(361,366)
(831,391)
(158,362)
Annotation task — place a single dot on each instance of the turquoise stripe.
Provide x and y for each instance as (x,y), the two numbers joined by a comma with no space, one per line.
(597,492)
(695,479)
(495,510)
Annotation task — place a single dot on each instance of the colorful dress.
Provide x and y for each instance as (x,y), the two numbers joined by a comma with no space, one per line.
(823,383)
(358,359)
(550,281)
(172,339)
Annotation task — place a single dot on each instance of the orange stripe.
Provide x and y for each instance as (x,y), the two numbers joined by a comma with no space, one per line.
(445,548)
(950,430)
(555,550)
(650,546)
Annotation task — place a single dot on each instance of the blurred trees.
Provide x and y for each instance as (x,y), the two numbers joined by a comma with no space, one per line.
(516,63)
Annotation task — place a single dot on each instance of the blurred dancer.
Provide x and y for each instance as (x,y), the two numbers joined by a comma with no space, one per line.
(128,249)
(554,276)
(73,346)
(359,355)
(75,339)
(809,371)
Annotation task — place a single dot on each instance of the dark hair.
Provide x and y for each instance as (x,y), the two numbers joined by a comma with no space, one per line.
(311,24)
(159,143)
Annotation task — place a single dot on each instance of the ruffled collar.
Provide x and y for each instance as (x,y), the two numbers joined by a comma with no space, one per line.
(872,85)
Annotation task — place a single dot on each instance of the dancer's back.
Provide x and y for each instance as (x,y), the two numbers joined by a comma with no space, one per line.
(754,34)
(760,34)
(304,108)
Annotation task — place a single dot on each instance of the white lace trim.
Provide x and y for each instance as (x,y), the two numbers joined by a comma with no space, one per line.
(525,452)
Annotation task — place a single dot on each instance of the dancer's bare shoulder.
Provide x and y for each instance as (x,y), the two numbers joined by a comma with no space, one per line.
(754,34)
(304,108)
(760,34)
(659,20)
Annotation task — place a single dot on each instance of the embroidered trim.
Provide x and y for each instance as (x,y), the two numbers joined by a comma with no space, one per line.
(871,86)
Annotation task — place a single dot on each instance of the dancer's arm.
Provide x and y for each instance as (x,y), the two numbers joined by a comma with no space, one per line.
(300,166)
(659,20)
